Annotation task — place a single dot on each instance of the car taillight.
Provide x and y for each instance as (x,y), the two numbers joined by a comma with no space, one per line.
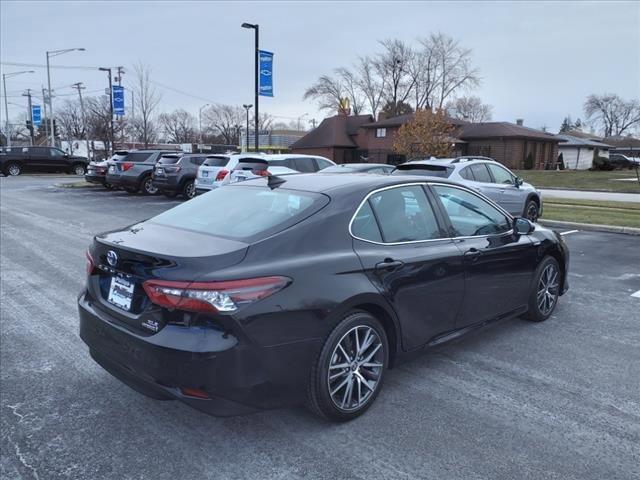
(90,263)
(261,173)
(221,174)
(126,166)
(212,297)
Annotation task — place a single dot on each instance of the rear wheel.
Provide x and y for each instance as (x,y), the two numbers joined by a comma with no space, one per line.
(531,211)
(14,169)
(78,169)
(147,186)
(544,291)
(189,189)
(108,186)
(347,376)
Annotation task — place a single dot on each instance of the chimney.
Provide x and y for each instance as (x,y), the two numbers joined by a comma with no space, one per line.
(520,121)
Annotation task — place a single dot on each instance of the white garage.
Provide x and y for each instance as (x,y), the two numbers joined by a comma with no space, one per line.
(578,153)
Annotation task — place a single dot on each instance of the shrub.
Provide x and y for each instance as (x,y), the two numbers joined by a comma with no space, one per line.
(601,163)
(561,161)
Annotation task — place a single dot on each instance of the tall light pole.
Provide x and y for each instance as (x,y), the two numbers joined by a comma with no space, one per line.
(247,107)
(108,70)
(256,28)
(78,86)
(200,120)
(29,116)
(6,104)
(54,53)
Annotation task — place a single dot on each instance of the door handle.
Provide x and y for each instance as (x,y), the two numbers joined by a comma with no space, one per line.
(472,254)
(389,264)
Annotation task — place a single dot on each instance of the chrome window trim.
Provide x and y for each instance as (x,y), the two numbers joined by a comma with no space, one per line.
(423,184)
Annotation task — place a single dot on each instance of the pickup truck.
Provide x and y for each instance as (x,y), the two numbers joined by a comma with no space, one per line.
(16,160)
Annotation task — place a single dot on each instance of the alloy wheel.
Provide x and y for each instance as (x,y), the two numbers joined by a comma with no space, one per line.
(548,289)
(355,368)
(79,170)
(149,187)
(190,190)
(14,170)
(532,212)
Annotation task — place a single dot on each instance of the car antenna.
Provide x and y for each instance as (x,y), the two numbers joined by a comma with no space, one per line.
(273,181)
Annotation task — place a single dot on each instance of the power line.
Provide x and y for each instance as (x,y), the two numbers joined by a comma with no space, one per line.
(40,65)
(161,85)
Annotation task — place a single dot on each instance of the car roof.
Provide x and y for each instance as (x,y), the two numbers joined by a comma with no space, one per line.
(335,182)
(285,156)
(363,165)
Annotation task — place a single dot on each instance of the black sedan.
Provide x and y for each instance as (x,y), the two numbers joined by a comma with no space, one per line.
(307,288)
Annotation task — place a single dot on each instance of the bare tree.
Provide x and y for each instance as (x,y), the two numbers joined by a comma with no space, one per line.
(351,86)
(392,65)
(327,91)
(224,120)
(98,116)
(612,113)
(370,84)
(470,109)
(70,120)
(147,99)
(265,121)
(178,126)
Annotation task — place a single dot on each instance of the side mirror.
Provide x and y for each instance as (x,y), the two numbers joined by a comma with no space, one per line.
(523,226)
(519,182)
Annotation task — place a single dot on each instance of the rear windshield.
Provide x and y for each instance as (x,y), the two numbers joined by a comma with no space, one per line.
(250,212)
(169,160)
(118,157)
(422,169)
(138,156)
(216,161)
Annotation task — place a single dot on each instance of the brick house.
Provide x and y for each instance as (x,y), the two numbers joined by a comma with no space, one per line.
(358,138)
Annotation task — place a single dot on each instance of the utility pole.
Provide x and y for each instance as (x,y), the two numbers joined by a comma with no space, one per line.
(256,29)
(6,103)
(247,107)
(44,106)
(313,122)
(28,95)
(78,86)
(108,70)
(200,120)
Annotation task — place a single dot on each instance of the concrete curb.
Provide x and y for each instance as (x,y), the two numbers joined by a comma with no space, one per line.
(76,185)
(590,227)
(597,190)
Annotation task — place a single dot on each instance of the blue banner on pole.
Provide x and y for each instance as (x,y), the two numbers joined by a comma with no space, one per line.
(118,100)
(266,73)
(36,115)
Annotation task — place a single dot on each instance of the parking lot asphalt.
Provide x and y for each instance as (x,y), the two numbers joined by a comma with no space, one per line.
(556,400)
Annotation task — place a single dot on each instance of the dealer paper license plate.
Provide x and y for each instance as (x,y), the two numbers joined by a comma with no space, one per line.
(121,292)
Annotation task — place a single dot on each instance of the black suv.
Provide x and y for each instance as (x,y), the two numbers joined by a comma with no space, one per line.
(15,160)
(176,173)
(133,172)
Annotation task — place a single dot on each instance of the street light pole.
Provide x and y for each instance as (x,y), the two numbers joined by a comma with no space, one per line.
(50,54)
(108,70)
(28,95)
(247,107)
(200,120)
(256,28)
(6,104)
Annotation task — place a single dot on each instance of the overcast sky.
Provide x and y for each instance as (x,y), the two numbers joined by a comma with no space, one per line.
(538,61)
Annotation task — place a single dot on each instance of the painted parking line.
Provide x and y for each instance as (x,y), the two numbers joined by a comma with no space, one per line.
(570,231)
(637,294)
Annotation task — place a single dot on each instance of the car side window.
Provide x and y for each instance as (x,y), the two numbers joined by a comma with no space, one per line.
(500,175)
(469,214)
(364,224)
(467,174)
(55,153)
(404,214)
(480,173)
(304,165)
(322,163)
(197,160)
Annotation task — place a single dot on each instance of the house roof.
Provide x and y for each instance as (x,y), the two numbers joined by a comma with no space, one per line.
(571,141)
(581,134)
(401,120)
(623,142)
(502,129)
(334,131)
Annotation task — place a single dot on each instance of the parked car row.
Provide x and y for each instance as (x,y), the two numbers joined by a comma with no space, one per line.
(285,289)
(16,160)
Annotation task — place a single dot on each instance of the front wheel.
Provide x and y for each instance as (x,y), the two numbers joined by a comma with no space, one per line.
(532,211)
(14,169)
(347,376)
(108,186)
(78,169)
(545,290)
(147,186)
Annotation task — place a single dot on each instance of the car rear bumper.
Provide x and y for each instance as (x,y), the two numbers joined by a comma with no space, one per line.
(95,178)
(238,378)
(121,180)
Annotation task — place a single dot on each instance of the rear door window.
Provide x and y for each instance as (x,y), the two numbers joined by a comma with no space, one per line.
(467,174)
(480,173)
(137,157)
(305,165)
(364,225)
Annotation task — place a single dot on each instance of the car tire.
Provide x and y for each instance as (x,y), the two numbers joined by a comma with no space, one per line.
(147,187)
(189,189)
(108,186)
(545,290)
(531,211)
(345,381)
(13,169)
(78,169)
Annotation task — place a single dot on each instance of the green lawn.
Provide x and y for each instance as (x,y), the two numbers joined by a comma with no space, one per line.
(624,214)
(581,180)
